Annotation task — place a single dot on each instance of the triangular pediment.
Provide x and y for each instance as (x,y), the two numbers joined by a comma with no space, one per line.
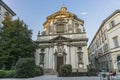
(58,38)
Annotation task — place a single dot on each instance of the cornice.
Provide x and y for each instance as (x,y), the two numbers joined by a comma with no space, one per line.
(55,41)
(61,34)
(7,8)
(52,45)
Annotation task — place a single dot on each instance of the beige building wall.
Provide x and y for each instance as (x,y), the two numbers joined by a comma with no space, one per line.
(109,29)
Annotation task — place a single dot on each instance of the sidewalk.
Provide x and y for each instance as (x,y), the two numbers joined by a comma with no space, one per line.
(54,77)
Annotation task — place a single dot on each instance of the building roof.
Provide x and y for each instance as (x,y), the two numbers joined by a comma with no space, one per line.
(7,8)
(62,13)
(104,21)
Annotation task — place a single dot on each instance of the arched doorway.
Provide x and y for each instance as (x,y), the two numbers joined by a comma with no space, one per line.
(118,63)
(59,62)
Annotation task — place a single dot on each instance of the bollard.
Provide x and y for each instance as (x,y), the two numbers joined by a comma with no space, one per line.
(108,77)
(103,75)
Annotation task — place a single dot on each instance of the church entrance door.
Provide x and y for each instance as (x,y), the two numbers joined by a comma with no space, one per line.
(59,62)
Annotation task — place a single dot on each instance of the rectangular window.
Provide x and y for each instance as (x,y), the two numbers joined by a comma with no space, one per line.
(112,23)
(60,28)
(106,47)
(105,35)
(115,40)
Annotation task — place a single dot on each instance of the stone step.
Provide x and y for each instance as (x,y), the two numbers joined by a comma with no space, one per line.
(50,72)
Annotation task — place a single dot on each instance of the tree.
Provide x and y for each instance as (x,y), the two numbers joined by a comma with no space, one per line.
(15,42)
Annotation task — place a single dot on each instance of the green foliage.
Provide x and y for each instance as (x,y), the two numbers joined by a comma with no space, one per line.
(38,71)
(92,72)
(65,70)
(10,74)
(0,65)
(15,42)
(7,74)
(25,68)
(2,74)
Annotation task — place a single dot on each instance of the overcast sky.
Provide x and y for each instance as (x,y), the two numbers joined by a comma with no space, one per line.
(34,12)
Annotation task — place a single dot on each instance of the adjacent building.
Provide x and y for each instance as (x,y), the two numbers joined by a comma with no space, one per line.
(104,50)
(63,41)
(4,11)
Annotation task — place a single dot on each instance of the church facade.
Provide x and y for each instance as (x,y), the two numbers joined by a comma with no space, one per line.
(63,41)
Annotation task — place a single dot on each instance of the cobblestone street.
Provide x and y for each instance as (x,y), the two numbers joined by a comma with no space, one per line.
(54,77)
(65,78)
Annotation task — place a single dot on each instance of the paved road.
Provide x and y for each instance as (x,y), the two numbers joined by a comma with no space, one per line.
(54,77)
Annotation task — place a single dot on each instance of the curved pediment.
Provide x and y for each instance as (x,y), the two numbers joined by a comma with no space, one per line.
(61,14)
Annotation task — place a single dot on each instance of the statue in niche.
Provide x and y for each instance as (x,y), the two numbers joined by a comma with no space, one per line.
(79,49)
(41,58)
(60,49)
(70,28)
(80,57)
(50,29)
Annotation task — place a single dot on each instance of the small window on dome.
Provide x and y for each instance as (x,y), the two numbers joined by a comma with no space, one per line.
(77,24)
(78,30)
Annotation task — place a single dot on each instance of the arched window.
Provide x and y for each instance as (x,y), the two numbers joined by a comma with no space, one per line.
(60,28)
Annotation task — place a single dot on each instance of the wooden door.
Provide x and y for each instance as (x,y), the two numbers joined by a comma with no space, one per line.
(59,62)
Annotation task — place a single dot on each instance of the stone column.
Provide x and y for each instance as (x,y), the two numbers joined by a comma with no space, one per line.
(55,59)
(73,57)
(37,56)
(46,65)
(69,53)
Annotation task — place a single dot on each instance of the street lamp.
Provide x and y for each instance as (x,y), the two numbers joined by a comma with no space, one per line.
(80,65)
(41,65)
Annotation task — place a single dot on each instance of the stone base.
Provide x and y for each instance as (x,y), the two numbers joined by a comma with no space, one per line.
(54,72)
(75,74)
(79,70)
(50,72)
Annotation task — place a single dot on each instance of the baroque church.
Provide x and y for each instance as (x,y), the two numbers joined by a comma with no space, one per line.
(63,41)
